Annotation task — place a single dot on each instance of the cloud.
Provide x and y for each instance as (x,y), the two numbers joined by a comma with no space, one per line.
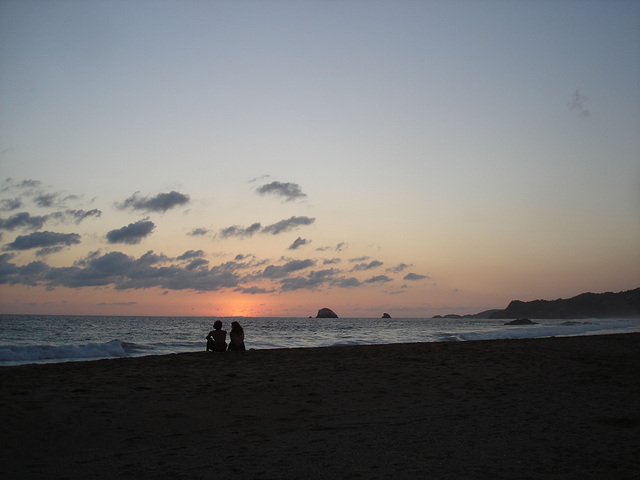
(105,304)
(26,221)
(43,240)
(196,232)
(23,220)
(131,234)
(79,215)
(338,248)
(122,272)
(28,275)
(378,279)
(287,225)
(282,226)
(261,177)
(29,185)
(189,254)
(312,281)
(289,191)
(367,266)
(253,290)
(577,104)
(46,199)
(347,282)
(398,268)
(241,232)
(414,276)
(198,262)
(297,243)
(331,261)
(160,203)
(273,271)
(10,204)
(151,270)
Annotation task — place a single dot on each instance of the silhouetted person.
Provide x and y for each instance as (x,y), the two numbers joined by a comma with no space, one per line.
(216,340)
(236,337)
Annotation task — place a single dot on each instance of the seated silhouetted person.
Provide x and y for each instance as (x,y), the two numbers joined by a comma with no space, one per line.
(216,340)
(236,337)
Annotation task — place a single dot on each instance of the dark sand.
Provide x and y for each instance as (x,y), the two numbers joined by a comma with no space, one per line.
(557,408)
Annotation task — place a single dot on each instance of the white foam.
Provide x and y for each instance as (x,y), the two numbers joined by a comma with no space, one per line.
(14,354)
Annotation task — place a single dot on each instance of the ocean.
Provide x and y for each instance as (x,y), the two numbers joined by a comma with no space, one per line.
(59,338)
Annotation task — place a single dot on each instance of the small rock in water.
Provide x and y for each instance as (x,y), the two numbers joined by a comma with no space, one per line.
(521,321)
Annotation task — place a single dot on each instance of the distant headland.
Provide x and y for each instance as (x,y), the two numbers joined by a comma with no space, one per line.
(586,305)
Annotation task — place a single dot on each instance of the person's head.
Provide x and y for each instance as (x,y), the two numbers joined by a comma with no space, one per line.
(236,327)
(217,325)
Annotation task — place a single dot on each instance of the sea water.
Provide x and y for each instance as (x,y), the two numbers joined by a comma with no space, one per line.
(58,338)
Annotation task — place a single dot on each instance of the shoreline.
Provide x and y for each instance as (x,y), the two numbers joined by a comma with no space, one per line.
(337,345)
(556,407)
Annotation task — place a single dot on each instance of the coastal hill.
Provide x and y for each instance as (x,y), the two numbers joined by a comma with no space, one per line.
(586,305)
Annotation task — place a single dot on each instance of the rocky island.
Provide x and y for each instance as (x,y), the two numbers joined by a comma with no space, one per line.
(326,313)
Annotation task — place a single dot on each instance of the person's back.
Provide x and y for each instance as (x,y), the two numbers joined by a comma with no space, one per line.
(217,338)
(236,337)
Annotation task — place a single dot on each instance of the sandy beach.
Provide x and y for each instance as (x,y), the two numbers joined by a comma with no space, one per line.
(556,408)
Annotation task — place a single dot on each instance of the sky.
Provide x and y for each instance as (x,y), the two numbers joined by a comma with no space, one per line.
(271,158)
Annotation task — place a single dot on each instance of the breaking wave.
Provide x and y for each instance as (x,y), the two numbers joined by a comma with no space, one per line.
(10,354)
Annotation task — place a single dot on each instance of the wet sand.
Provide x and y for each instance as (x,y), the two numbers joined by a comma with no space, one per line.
(557,408)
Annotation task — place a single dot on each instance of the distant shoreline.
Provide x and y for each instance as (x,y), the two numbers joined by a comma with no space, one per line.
(586,305)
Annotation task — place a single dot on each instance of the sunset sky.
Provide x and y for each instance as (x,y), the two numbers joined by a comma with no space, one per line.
(270,158)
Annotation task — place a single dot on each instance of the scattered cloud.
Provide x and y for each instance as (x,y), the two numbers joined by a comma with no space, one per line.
(26,221)
(198,232)
(10,204)
(289,191)
(10,185)
(274,229)
(297,243)
(253,290)
(78,215)
(286,225)
(43,240)
(379,279)
(122,272)
(191,270)
(240,232)
(414,276)
(367,266)
(131,234)
(577,104)
(261,177)
(23,220)
(189,254)
(347,282)
(273,271)
(197,263)
(105,304)
(46,199)
(398,268)
(312,281)
(338,248)
(331,261)
(160,203)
